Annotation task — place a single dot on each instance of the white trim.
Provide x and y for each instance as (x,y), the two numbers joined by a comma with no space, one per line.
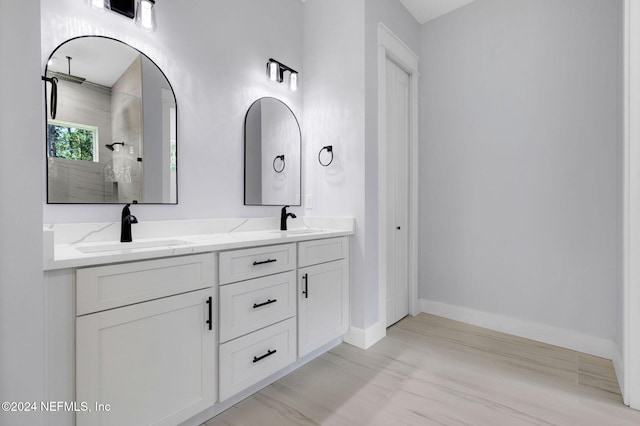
(364,339)
(390,46)
(631,209)
(556,336)
(397,50)
(618,366)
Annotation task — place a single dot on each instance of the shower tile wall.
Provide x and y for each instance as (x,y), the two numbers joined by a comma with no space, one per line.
(84,180)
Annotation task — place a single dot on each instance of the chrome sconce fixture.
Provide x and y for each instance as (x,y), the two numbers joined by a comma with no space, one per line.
(141,11)
(98,4)
(276,70)
(146,15)
(329,149)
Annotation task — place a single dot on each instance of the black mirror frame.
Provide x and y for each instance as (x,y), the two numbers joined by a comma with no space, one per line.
(299,204)
(46,68)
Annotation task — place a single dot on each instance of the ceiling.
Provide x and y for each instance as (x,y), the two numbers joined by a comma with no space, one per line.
(426,10)
(99,60)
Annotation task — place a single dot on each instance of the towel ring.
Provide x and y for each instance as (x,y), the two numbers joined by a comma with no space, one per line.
(329,149)
(281,157)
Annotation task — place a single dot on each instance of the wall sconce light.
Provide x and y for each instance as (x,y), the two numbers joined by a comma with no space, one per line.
(98,4)
(276,70)
(273,71)
(141,11)
(146,15)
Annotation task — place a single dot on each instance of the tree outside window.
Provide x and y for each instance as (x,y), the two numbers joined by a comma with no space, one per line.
(72,141)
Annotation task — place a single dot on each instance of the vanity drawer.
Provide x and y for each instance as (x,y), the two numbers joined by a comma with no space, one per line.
(239,265)
(321,251)
(106,287)
(250,305)
(248,359)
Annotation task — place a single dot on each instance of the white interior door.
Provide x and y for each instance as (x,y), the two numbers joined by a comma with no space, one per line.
(397,110)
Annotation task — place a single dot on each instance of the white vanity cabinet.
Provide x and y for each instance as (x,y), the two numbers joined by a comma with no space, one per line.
(177,334)
(257,315)
(146,341)
(323,292)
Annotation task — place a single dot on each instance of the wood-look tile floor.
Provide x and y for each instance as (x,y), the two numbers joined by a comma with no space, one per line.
(433,371)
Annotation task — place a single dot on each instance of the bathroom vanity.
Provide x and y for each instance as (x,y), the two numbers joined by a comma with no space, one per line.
(186,318)
(179,328)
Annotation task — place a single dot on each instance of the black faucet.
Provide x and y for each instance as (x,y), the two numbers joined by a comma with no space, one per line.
(127,220)
(283,218)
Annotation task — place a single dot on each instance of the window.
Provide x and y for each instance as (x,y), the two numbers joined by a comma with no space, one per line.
(72,141)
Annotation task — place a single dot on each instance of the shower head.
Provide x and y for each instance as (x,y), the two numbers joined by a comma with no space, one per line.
(110,146)
(69,77)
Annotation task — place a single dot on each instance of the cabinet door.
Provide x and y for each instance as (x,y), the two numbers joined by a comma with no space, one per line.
(154,363)
(323,304)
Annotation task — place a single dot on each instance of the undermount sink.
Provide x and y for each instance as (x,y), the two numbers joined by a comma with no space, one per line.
(299,231)
(106,247)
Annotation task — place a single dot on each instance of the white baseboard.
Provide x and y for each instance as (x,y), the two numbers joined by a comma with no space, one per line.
(618,366)
(556,336)
(364,339)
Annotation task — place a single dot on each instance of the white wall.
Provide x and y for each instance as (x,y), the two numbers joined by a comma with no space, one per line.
(214,54)
(340,109)
(21,192)
(521,161)
(334,115)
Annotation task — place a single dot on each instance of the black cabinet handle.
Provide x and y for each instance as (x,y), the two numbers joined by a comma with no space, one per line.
(268,302)
(210,320)
(259,358)
(265,261)
(305,277)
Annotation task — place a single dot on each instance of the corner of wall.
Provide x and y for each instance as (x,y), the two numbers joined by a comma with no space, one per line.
(618,366)
(365,338)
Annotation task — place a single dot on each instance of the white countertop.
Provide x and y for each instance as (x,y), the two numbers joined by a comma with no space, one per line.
(103,251)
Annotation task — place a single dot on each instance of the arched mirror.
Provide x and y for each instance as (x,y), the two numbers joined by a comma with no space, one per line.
(272,141)
(111,125)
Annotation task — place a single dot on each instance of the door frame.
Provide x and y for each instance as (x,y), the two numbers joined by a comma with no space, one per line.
(630,367)
(391,47)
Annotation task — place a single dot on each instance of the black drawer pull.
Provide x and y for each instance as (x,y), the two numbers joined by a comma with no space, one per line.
(265,261)
(305,277)
(259,358)
(268,302)
(210,320)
